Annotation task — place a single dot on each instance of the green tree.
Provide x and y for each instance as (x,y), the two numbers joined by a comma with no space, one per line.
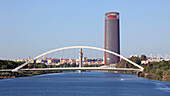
(143,57)
(135,59)
(4,67)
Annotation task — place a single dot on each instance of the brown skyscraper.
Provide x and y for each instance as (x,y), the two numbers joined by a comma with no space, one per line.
(112,37)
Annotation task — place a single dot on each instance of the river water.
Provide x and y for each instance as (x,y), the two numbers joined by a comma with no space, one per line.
(84,84)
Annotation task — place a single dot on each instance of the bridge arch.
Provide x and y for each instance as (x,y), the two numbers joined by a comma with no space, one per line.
(71,47)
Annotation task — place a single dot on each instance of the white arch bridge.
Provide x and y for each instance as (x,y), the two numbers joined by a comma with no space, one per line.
(19,68)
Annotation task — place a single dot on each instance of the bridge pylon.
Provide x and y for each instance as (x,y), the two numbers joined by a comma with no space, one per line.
(80,59)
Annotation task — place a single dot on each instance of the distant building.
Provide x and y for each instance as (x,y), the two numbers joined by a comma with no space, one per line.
(144,61)
(29,58)
(19,60)
(71,61)
(84,58)
(111,37)
(38,61)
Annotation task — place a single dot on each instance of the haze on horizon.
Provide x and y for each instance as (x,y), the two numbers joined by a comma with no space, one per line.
(28,28)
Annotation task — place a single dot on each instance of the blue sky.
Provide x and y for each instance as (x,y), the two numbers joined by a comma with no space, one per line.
(31,27)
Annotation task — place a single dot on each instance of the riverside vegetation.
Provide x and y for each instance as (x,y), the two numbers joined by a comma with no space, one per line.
(7,64)
(152,70)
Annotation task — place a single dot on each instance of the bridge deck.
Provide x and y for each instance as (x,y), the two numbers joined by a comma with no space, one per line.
(83,68)
(6,70)
(76,68)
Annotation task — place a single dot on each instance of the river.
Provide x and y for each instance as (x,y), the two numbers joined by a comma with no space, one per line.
(84,84)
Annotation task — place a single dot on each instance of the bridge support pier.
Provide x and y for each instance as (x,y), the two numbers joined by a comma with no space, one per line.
(14,73)
(79,71)
(141,74)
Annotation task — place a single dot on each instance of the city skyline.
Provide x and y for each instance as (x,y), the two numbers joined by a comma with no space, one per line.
(32,27)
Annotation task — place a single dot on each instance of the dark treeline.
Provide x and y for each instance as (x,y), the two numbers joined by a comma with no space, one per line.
(125,64)
(7,64)
(158,70)
(152,70)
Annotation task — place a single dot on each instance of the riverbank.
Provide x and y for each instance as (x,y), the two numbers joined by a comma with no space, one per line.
(157,71)
(5,75)
(147,76)
(153,77)
(33,73)
(152,70)
(7,64)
